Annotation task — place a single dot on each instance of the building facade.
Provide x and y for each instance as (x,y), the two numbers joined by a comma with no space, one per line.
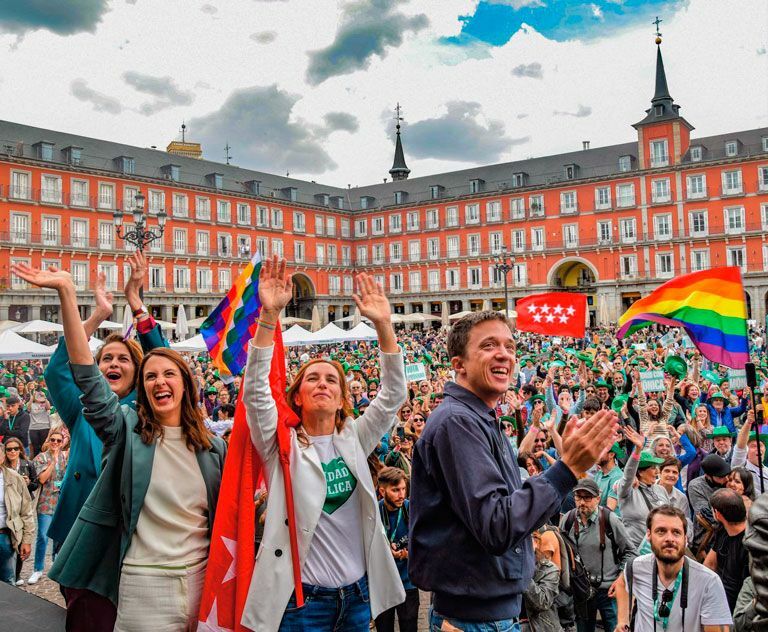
(612,222)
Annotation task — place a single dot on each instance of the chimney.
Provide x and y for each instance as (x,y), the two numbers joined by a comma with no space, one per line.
(585,145)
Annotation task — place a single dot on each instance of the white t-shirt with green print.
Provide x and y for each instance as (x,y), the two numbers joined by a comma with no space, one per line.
(336,557)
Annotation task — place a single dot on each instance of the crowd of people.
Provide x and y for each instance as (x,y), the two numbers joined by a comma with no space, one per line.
(537,482)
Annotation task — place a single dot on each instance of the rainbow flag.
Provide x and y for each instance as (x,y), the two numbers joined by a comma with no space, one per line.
(709,305)
(232,324)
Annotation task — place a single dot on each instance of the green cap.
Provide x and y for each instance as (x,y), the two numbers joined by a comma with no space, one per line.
(537,397)
(648,460)
(618,402)
(720,431)
(618,451)
(718,395)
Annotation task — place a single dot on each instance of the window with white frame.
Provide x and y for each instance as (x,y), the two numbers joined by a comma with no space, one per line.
(20,228)
(452,279)
(319,225)
(664,265)
(495,276)
(180,205)
(395,223)
(474,277)
(625,195)
(625,163)
(21,185)
(262,217)
(203,208)
(156,245)
(628,230)
(334,284)
(764,215)
(50,189)
(473,245)
(517,208)
(520,274)
(106,236)
(764,141)
(571,235)
(346,256)
(298,222)
(699,260)
(732,182)
(79,233)
(568,202)
(493,211)
(433,218)
(377,254)
(602,198)
(496,242)
(395,252)
(377,225)
(361,228)
(362,255)
(203,241)
(320,254)
(660,191)
(262,246)
(79,271)
(472,214)
(345,223)
(433,248)
(78,195)
(659,153)
(330,226)
(333,258)
(156,278)
(179,241)
(536,204)
(696,153)
(412,220)
(129,198)
(298,251)
(244,246)
(698,221)
(452,216)
(537,239)
(737,257)
(628,265)
(696,186)
(225,279)
(662,226)
(109,270)
(243,214)
(414,250)
(414,281)
(107,196)
(452,244)
(734,219)
(518,240)
(204,278)
(731,148)
(52,231)
(380,279)
(181,278)
(156,201)
(765,254)
(348,285)
(605,232)
(396,282)
(225,244)
(224,211)
(277,218)
(762,178)
(433,280)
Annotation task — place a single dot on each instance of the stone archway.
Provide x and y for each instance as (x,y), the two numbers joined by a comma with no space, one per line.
(573,273)
(300,305)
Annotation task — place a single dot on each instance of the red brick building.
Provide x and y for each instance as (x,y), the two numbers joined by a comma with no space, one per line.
(613,222)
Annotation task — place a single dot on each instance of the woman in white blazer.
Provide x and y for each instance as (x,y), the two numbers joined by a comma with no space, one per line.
(347,569)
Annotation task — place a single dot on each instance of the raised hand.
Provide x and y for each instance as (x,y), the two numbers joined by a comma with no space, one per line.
(371,300)
(104,299)
(275,286)
(583,444)
(634,437)
(138,264)
(52,278)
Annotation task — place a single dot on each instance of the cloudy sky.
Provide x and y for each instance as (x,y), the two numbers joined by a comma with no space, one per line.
(309,86)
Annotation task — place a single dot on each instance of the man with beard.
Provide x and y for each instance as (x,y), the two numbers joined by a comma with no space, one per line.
(608,472)
(670,591)
(722,442)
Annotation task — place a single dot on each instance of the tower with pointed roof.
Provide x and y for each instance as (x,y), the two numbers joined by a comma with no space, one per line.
(399,170)
(663,136)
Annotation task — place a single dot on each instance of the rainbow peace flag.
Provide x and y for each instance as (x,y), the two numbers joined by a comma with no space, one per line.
(709,305)
(232,324)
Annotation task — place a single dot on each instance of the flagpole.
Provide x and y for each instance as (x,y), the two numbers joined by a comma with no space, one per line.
(752,385)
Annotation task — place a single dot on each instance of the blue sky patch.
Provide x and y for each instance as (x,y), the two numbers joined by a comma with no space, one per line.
(494,21)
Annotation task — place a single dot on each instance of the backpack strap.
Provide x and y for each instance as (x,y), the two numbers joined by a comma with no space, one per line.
(632,606)
(571,523)
(609,532)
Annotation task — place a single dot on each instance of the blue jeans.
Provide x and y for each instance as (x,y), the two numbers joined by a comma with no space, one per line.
(345,609)
(502,625)
(41,543)
(7,560)
(607,607)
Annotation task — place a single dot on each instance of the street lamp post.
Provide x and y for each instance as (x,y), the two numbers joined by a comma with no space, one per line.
(505,263)
(139,235)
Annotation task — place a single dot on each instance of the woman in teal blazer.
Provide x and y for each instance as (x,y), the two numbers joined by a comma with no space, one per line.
(141,538)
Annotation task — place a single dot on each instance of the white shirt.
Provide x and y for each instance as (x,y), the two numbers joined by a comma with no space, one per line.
(336,557)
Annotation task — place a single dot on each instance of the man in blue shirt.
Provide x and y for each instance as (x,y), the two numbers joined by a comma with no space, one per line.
(393,508)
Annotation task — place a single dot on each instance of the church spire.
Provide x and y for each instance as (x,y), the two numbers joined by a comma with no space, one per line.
(399,170)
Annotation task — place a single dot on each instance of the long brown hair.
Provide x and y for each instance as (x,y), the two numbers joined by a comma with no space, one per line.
(192,419)
(134,350)
(346,407)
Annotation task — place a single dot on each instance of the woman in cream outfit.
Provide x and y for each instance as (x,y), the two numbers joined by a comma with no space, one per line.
(348,572)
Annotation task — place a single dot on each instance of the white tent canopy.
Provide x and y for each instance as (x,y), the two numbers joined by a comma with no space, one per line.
(108,324)
(361,332)
(16,347)
(295,336)
(37,327)
(328,334)
(195,344)
(196,323)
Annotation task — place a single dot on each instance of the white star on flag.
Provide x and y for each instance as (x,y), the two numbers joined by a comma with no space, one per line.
(211,624)
(545,308)
(550,318)
(558,309)
(232,548)
(563,318)
(537,318)
(570,311)
(532,308)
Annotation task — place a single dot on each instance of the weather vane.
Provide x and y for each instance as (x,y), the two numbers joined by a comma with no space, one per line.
(657,21)
(398,118)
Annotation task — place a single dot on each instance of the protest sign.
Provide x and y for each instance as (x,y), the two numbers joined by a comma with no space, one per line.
(737,379)
(667,340)
(415,372)
(652,381)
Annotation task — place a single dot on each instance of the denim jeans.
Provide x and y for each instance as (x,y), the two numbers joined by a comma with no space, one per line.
(607,607)
(345,609)
(41,543)
(503,625)
(7,560)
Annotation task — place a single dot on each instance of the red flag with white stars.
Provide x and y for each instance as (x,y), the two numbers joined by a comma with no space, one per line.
(553,314)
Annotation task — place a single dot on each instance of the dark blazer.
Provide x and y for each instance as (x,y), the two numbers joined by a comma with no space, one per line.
(93,553)
(20,430)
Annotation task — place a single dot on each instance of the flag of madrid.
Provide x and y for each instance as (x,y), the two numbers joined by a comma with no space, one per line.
(553,314)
